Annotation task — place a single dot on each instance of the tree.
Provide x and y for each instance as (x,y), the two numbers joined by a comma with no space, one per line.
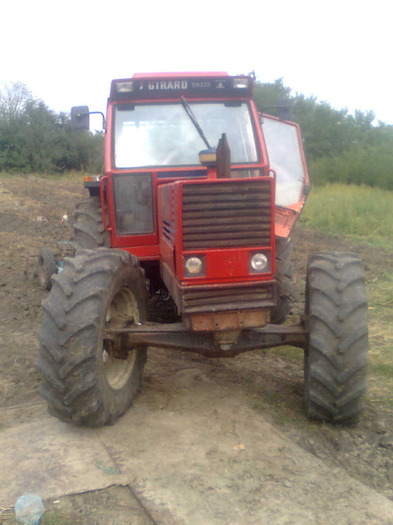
(270,96)
(339,147)
(13,101)
(34,138)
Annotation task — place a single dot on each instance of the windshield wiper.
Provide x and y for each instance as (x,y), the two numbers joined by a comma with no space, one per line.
(193,119)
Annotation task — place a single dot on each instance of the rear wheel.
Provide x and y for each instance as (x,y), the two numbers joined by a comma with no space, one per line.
(337,353)
(90,377)
(89,231)
(284,274)
(46,267)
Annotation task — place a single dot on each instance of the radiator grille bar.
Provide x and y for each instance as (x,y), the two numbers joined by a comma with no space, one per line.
(228,298)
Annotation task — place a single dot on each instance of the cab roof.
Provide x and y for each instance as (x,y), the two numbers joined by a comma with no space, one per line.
(176,85)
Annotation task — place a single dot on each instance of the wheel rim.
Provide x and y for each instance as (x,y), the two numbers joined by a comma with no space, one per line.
(117,358)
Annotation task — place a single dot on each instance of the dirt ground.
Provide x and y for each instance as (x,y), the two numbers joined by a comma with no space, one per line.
(37,212)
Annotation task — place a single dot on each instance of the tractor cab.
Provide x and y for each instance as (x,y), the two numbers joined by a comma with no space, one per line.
(157,126)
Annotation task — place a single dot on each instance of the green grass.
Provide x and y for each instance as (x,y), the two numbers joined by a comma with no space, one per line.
(362,212)
(291,353)
(380,299)
(382,369)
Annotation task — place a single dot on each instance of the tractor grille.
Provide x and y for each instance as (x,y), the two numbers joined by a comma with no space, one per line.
(228,298)
(226,215)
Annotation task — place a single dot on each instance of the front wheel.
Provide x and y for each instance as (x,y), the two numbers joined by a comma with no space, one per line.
(337,352)
(89,376)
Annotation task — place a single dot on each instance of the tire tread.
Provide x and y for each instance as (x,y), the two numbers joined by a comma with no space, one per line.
(336,358)
(72,317)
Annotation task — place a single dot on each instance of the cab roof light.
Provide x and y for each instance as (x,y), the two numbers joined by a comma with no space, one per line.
(241,83)
(125,86)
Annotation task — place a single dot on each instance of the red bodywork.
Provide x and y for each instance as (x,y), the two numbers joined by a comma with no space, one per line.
(227,274)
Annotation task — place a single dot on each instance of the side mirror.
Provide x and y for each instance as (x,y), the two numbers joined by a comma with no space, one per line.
(80,118)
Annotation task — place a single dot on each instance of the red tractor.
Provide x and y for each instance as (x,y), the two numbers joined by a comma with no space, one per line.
(196,205)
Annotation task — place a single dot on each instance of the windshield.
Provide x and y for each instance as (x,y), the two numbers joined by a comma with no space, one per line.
(164,135)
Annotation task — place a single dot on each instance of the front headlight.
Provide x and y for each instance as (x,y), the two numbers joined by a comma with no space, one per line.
(194,266)
(259,262)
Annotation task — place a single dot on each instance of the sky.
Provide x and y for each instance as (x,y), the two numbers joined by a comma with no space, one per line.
(67,53)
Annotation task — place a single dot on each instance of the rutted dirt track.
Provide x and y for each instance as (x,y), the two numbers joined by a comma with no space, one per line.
(187,401)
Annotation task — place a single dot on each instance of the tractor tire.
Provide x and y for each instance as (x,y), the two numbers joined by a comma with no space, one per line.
(88,377)
(336,357)
(89,232)
(284,274)
(46,267)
